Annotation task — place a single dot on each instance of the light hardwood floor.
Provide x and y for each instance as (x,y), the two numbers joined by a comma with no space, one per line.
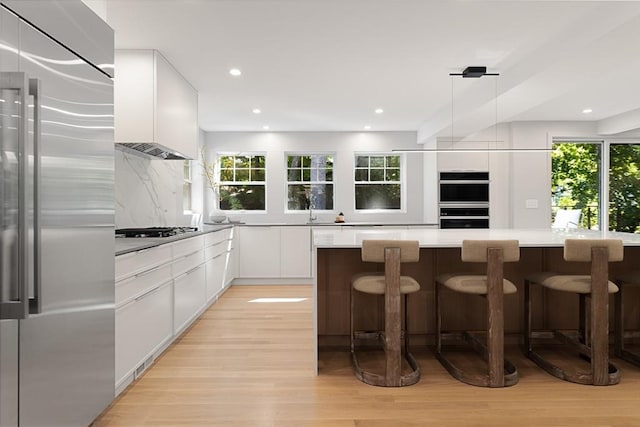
(246,363)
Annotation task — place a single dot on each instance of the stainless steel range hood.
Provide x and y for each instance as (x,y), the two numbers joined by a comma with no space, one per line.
(150,150)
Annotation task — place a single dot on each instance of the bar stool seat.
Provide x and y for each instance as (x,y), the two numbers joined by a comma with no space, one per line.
(624,281)
(597,287)
(493,286)
(576,283)
(472,284)
(375,283)
(393,286)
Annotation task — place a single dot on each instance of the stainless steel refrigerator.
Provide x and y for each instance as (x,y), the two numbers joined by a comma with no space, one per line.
(56,214)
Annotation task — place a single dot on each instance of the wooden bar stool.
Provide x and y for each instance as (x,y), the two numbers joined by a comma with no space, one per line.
(392,285)
(630,279)
(597,287)
(493,286)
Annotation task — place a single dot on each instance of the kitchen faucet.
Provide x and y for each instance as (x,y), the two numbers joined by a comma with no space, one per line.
(311,217)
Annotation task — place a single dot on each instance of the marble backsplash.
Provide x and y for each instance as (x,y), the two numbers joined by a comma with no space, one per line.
(148,192)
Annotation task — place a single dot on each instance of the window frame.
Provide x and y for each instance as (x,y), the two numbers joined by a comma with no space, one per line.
(402,182)
(187,185)
(219,156)
(287,154)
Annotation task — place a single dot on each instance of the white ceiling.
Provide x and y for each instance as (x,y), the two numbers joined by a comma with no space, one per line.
(325,65)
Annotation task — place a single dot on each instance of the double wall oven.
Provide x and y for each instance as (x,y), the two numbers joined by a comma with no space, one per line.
(464,199)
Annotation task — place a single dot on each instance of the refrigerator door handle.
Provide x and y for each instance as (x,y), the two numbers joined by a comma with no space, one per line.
(35,303)
(15,304)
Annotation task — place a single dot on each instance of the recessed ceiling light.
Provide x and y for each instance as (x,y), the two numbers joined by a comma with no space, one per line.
(587,111)
(265,127)
(367,127)
(256,111)
(379,111)
(235,72)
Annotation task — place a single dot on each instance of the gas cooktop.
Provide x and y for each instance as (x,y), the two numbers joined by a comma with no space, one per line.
(154,231)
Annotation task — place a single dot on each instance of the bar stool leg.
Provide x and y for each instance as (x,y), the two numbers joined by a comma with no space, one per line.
(599,317)
(582,332)
(438,336)
(527,316)
(495,321)
(618,343)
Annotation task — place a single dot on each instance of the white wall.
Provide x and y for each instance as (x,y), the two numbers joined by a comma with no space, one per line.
(344,145)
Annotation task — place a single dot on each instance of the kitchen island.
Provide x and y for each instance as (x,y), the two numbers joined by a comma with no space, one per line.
(337,257)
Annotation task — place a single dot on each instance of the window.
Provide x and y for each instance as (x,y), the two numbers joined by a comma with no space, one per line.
(378,182)
(242,182)
(576,180)
(309,182)
(624,191)
(186,186)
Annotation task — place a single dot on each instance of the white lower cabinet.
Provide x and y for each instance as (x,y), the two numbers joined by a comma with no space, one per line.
(214,269)
(160,292)
(259,252)
(295,252)
(275,252)
(231,270)
(189,297)
(143,326)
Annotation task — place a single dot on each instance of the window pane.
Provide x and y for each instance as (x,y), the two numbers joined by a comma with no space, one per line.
(321,174)
(393,161)
(187,169)
(227,162)
(294,161)
(392,175)
(294,175)
(376,175)
(245,197)
(186,196)
(624,191)
(297,199)
(362,161)
(377,196)
(306,175)
(242,175)
(362,175)
(377,162)
(575,182)
(242,162)
(257,175)
(329,175)
(322,196)
(257,162)
(226,175)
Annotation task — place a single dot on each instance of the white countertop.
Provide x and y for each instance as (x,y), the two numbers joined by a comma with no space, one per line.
(436,238)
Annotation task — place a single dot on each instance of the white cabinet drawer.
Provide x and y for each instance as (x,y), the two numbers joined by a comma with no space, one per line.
(187,262)
(189,297)
(217,236)
(137,285)
(141,328)
(135,262)
(216,250)
(187,246)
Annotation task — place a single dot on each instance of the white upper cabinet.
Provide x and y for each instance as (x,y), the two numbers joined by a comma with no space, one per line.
(156,109)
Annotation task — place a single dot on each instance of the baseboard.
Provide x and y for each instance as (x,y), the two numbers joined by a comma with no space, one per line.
(271,282)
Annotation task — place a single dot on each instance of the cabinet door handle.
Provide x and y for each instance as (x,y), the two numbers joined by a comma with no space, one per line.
(180,277)
(189,254)
(149,292)
(151,270)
